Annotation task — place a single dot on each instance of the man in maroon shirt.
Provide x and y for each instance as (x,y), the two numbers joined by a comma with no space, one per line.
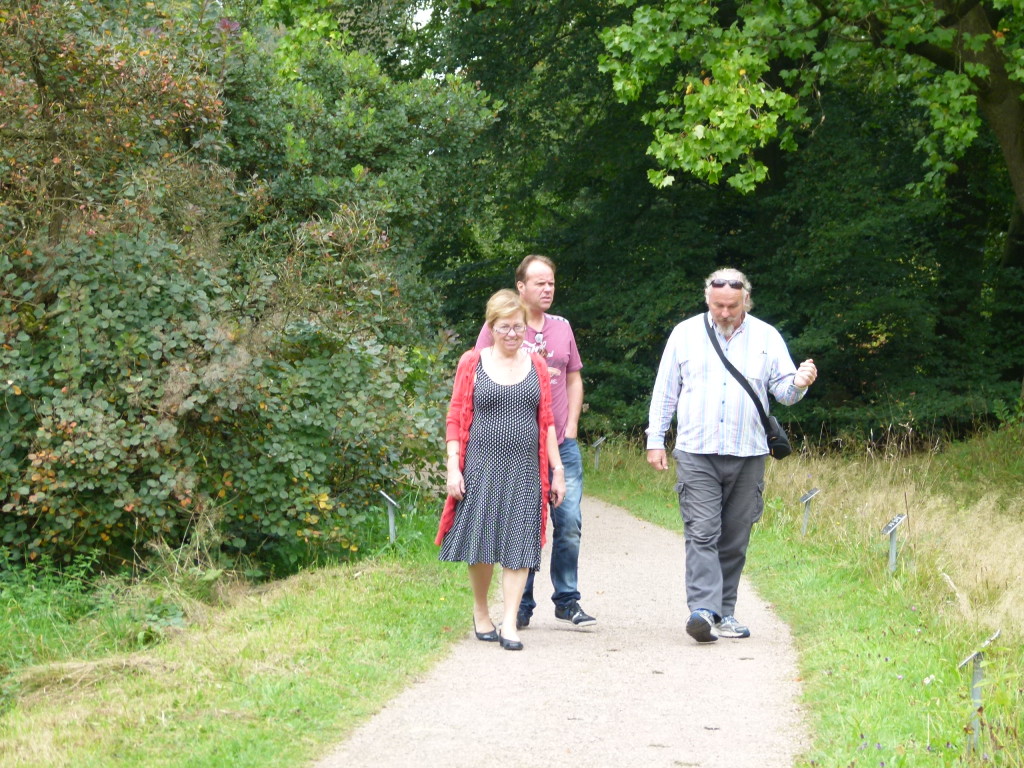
(552,337)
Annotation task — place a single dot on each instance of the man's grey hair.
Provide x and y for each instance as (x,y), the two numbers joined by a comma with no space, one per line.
(728,273)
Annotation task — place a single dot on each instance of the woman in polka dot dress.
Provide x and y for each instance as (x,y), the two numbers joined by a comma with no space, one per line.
(502,450)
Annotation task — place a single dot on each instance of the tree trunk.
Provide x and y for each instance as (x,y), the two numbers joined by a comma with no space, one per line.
(1013,250)
(1001,104)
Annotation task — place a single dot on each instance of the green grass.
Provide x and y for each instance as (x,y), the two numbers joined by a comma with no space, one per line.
(111,673)
(878,651)
(273,679)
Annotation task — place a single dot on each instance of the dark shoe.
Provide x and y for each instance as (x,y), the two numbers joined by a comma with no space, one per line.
(701,626)
(510,645)
(575,615)
(487,637)
(522,620)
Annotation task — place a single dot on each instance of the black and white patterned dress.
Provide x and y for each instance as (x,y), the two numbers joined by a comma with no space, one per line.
(498,520)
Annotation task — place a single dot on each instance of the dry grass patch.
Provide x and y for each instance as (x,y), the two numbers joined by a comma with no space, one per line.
(43,681)
(969,535)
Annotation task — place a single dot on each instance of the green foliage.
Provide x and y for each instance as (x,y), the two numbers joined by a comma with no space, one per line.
(136,405)
(381,29)
(731,78)
(348,406)
(39,603)
(565,172)
(94,111)
(51,614)
(991,464)
(338,129)
(890,292)
(213,321)
(189,358)
(866,278)
(1010,416)
(93,461)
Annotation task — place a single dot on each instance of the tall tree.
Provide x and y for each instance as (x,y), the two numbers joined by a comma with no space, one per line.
(567,175)
(734,77)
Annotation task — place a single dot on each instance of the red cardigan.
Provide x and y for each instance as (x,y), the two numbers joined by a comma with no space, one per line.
(460,417)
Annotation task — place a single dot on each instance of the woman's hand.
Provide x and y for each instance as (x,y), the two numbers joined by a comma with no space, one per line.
(456,485)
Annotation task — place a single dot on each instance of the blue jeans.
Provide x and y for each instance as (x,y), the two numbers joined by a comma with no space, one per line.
(565,545)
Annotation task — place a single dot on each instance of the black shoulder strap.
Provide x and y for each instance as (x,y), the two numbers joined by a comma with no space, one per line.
(739,376)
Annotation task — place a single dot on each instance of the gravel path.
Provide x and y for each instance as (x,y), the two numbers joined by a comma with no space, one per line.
(633,691)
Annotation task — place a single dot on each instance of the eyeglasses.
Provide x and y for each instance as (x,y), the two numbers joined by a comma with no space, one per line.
(505,330)
(720,283)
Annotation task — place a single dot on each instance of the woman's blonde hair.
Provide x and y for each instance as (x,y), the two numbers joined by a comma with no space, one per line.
(504,304)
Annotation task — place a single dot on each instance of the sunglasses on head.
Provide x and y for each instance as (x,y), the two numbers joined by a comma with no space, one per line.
(720,283)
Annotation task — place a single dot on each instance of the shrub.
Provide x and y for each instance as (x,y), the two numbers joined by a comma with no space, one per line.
(145,393)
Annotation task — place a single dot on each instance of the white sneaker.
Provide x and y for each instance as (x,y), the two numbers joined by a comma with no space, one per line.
(730,627)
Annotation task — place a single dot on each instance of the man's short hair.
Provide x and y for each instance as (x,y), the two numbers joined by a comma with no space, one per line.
(525,263)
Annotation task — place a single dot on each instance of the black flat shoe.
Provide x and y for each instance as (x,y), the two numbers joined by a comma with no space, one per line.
(510,645)
(487,637)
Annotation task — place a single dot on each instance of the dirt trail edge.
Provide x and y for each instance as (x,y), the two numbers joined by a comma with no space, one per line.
(633,691)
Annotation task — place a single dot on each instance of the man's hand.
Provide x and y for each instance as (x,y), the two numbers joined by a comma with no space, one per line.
(657,459)
(805,374)
(557,493)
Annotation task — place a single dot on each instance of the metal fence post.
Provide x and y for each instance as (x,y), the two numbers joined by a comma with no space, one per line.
(890,531)
(392,508)
(806,500)
(976,677)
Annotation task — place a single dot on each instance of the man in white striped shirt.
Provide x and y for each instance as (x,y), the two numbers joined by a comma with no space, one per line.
(720,442)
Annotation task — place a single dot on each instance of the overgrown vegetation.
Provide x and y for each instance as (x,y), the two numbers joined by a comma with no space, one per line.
(229,231)
(893,288)
(211,316)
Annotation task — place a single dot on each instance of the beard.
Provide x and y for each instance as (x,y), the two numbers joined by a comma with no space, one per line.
(726,328)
